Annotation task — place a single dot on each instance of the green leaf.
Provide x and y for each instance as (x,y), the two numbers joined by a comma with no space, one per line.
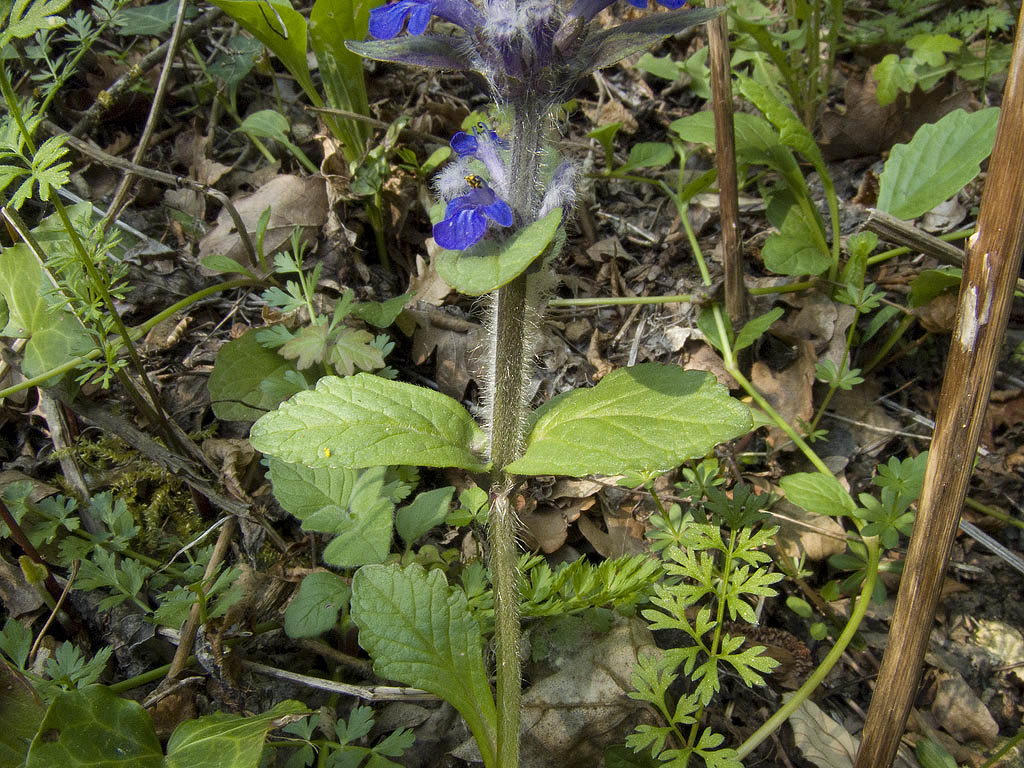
(420,632)
(227,741)
(818,493)
(27,17)
(932,49)
(756,328)
(149,20)
(315,607)
(381,313)
(660,66)
(367,421)
(647,154)
(36,313)
(21,711)
(248,380)
(306,346)
(796,249)
(363,539)
(427,510)
(280,28)
(303,491)
(489,265)
(937,163)
(649,417)
(893,74)
(225,264)
(352,349)
(331,23)
(792,131)
(929,283)
(93,728)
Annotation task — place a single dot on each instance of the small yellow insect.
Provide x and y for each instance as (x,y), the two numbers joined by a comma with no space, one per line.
(474,181)
(327,453)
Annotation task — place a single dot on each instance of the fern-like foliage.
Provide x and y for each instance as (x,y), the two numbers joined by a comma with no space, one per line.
(718,569)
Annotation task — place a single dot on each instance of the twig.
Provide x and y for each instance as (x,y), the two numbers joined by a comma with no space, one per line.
(154,115)
(188,632)
(986,293)
(376,693)
(107,98)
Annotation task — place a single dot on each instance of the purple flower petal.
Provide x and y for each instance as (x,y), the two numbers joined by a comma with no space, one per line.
(499,212)
(464,144)
(461,227)
(386,20)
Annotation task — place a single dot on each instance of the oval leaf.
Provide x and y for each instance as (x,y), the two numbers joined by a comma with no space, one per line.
(367,421)
(419,632)
(221,740)
(645,418)
(818,493)
(937,163)
(489,265)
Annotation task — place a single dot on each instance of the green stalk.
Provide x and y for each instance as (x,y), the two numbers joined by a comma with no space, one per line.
(510,365)
(782,714)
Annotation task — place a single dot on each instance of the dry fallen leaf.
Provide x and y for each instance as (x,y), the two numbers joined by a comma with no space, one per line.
(821,739)
(294,201)
(960,712)
(788,390)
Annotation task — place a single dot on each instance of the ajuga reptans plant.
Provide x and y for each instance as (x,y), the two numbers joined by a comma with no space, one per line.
(504,199)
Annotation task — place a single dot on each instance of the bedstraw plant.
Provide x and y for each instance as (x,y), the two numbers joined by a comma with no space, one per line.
(505,199)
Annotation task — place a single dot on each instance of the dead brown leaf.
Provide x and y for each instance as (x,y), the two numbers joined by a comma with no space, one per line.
(788,390)
(294,201)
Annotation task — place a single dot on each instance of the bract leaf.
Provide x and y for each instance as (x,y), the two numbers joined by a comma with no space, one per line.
(366,421)
(613,45)
(649,417)
(433,51)
(227,741)
(489,265)
(93,728)
(937,163)
(419,632)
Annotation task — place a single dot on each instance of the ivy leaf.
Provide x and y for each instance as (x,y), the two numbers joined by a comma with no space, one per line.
(227,741)
(365,421)
(649,417)
(21,711)
(420,632)
(248,380)
(93,728)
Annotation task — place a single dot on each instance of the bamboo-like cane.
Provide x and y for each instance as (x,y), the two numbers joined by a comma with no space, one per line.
(993,260)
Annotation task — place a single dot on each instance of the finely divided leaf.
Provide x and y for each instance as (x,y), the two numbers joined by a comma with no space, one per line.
(645,418)
(419,632)
(367,421)
(937,163)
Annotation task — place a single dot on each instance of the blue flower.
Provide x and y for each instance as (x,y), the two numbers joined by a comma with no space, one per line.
(386,20)
(465,219)
(467,144)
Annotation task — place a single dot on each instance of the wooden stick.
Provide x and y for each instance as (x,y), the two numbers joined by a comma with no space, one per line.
(725,158)
(992,264)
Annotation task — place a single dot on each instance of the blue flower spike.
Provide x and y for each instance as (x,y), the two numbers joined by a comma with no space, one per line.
(386,21)
(466,217)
